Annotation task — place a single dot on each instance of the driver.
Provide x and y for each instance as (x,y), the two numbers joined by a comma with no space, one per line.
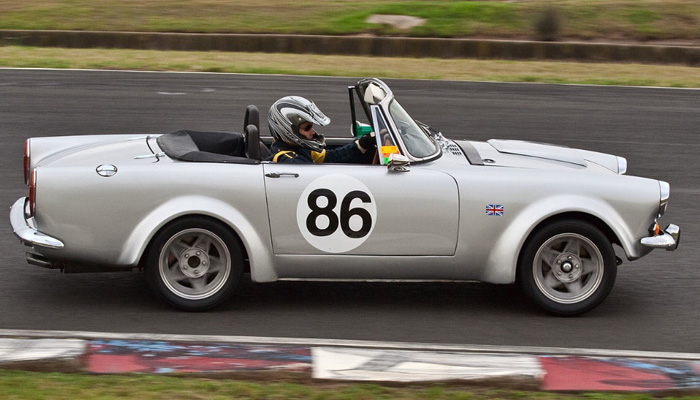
(291,121)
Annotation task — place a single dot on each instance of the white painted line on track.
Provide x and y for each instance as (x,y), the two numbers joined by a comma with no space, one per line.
(131,71)
(534,350)
(336,77)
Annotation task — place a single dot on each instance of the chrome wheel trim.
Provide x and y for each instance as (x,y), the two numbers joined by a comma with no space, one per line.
(194,264)
(568,268)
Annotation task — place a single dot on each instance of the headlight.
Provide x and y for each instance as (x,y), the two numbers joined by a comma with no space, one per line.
(665,190)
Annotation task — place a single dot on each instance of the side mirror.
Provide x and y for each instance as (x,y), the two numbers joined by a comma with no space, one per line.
(398,163)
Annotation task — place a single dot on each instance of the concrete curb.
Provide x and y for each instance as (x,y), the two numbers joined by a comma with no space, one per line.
(43,354)
(349,361)
(359,45)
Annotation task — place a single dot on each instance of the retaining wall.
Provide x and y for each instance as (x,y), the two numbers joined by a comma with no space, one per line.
(359,45)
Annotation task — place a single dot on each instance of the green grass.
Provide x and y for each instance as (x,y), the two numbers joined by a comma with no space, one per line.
(381,67)
(443,18)
(630,20)
(16,385)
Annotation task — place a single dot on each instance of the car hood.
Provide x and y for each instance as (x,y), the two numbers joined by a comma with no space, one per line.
(518,153)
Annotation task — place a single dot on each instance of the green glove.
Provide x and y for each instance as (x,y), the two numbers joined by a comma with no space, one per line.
(361,129)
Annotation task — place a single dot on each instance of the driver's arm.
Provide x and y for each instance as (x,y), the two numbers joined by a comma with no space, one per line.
(351,152)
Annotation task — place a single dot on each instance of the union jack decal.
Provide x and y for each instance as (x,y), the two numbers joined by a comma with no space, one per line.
(495,209)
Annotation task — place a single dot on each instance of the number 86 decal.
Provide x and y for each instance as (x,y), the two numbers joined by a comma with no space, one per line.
(336,213)
(345,213)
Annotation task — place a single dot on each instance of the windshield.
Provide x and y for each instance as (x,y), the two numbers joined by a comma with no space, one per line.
(417,142)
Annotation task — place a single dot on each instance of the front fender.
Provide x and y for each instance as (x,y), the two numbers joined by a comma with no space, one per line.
(257,242)
(503,258)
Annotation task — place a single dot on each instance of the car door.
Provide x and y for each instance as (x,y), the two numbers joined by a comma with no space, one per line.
(353,209)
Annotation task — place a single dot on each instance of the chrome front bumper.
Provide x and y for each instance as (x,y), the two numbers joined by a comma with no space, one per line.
(25,231)
(668,239)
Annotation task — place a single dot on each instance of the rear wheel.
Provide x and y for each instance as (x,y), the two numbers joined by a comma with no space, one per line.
(567,267)
(194,264)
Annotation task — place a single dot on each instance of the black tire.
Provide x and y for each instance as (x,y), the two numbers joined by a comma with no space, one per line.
(194,263)
(567,267)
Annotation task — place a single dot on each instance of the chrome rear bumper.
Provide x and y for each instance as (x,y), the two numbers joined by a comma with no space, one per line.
(668,239)
(25,232)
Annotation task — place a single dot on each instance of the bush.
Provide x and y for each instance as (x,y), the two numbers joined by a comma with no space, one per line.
(548,24)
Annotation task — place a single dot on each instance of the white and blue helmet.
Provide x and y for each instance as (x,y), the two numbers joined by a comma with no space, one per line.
(285,116)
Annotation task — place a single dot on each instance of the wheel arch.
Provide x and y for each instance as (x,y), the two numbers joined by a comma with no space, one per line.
(255,243)
(569,216)
(501,262)
(144,254)
(578,216)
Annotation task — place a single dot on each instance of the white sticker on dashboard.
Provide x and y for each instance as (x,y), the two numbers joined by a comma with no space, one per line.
(336,213)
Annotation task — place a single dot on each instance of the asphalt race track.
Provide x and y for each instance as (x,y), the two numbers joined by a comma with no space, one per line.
(655,304)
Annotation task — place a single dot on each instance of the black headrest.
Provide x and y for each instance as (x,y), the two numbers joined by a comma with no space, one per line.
(252,142)
(252,117)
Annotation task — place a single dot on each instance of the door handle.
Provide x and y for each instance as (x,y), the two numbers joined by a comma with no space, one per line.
(281,174)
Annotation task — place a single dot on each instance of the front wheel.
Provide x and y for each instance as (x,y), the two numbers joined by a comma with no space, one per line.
(567,267)
(194,264)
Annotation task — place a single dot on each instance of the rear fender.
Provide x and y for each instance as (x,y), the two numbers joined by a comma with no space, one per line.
(47,148)
(257,243)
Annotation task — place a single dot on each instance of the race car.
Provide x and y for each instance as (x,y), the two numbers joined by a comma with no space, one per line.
(199,211)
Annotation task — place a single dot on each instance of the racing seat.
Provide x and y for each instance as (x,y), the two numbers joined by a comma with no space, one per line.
(251,128)
(252,117)
(252,142)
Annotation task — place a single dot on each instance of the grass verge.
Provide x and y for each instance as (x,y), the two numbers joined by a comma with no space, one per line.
(381,67)
(19,385)
(629,20)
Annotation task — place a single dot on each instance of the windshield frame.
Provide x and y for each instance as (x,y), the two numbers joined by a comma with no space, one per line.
(408,142)
(385,104)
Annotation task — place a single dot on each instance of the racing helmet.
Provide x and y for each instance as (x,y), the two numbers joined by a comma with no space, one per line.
(285,116)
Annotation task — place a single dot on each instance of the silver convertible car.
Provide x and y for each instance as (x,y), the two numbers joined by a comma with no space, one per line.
(198,210)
